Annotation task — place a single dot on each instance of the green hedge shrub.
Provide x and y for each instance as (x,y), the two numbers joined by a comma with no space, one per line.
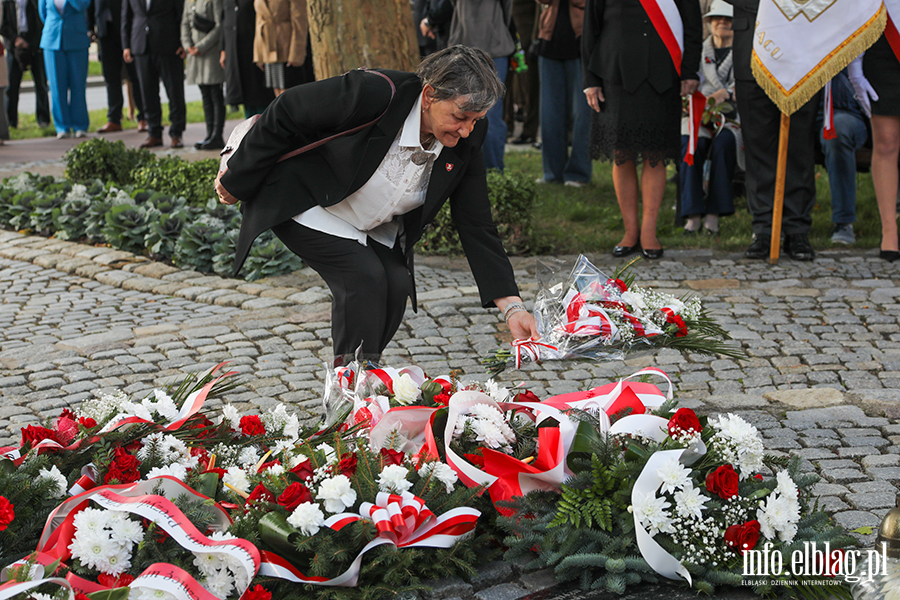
(104,160)
(193,181)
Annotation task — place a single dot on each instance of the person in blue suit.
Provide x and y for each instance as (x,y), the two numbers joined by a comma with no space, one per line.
(65,43)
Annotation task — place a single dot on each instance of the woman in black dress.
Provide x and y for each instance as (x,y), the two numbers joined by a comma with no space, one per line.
(882,69)
(635,90)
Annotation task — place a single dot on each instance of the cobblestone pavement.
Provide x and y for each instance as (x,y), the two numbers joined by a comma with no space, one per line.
(821,378)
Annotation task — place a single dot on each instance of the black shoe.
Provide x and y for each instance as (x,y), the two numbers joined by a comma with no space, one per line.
(889,255)
(690,232)
(652,253)
(620,251)
(522,140)
(199,145)
(216,143)
(759,249)
(798,247)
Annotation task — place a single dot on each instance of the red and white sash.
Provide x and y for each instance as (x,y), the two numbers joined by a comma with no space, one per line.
(667,20)
(891,31)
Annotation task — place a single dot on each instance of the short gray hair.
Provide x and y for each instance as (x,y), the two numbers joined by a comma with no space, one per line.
(462,72)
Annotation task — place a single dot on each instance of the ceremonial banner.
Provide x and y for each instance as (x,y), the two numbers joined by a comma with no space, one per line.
(799,45)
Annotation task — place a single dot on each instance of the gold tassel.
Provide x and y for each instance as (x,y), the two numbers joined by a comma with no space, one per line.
(791,101)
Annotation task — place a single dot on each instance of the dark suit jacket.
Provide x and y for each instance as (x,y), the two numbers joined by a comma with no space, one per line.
(245,83)
(743,24)
(274,193)
(154,31)
(619,44)
(10,26)
(105,17)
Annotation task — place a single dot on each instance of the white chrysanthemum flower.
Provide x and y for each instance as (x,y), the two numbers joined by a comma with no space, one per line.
(135,409)
(57,477)
(442,472)
(220,583)
(689,502)
(126,531)
(119,562)
(650,512)
(336,493)
(393,479)
(739,443)
(778,516)
(143,593)
(162,404)
(292,427)
(496,391)
(208,562)
(406,391)
(174,470)
(231,414)
(674,475)
(90,519)
(237,478)
(282,446)
(788,490)
(307,518)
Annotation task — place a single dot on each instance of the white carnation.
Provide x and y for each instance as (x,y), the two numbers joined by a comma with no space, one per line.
(231,414)
(237,478)
(248,457)
(57,477)
(162,404)
(307,518)
(393,479)
(442,471)
(406,391)
(336,493)
(174,470)
(330,456)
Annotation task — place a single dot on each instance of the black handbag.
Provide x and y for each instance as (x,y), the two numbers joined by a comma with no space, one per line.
(201,23)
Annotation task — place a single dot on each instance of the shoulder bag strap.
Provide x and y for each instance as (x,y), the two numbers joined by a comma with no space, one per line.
(318,143)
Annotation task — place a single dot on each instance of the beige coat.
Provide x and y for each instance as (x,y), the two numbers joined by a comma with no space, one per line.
(281,30)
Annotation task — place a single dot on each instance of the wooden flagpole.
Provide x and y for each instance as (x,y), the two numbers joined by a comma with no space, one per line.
(780,173)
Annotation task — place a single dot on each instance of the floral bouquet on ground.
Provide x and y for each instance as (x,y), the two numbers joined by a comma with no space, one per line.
(673,495)
(583,313)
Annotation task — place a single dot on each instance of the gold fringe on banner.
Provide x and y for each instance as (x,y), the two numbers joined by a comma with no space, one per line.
(790,101)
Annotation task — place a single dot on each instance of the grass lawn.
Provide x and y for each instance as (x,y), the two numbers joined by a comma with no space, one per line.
(572,220)
(28,128)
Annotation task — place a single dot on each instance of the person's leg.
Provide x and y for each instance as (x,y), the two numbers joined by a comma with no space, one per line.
(885,149)
(691,177)
(723,159)
(495,142)
(41,89)
(172,73)
(800,179)
(218,102)
(366,295)
(625,182)
(110,53)
(149,78)
(131,69)
(208,114)
(554,137)
(840,164)
(59,89)
(653,186)
(12,90)
(578,167)
(77,63)
(760,120)
(399,287)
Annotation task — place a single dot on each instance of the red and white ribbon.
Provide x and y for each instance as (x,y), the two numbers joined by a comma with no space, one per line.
(828,131)
(11,589)
(86,481)
(401,520)
(696,104)
(666,20)
(534,350)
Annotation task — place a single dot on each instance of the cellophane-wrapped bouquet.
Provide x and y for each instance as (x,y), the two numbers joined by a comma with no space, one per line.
(583,313)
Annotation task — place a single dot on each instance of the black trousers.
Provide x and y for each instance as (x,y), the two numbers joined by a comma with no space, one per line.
(760,125)
(370,285)
(110,54)
(41,87)
(151,68)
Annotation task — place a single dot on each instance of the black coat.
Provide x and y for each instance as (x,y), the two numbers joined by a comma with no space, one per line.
(157,31)
(619,44)
(10,27)
(743,24)
(105,17)
(274,193)
(245,83)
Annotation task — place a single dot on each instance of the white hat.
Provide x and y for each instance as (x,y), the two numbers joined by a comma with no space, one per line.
(720,8)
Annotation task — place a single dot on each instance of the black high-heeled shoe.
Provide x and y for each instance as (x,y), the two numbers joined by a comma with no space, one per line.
(620,251)
(889,255)
(652,253)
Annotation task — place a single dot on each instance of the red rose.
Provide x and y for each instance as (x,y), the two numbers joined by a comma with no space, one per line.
(111,581)
(33,434)
(682,327)
(123,468)
(201,422)
(758,477)
(267,465)
(7,514)
(261,494)
(684,421)
(252,425)
(68,414)
(742,538)
(723,482)
(443,398)
(391,457)
(347,464)
(87,422)
(294,495)
(257,593)
(527,396)
(304,470)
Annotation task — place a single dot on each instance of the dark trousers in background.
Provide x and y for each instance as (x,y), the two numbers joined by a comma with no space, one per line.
(721,154)
(41,87)
(369,285)
(152,68)
(110,54)
(760,124)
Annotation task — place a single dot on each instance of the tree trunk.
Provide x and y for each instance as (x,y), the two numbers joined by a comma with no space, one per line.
(346,34)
